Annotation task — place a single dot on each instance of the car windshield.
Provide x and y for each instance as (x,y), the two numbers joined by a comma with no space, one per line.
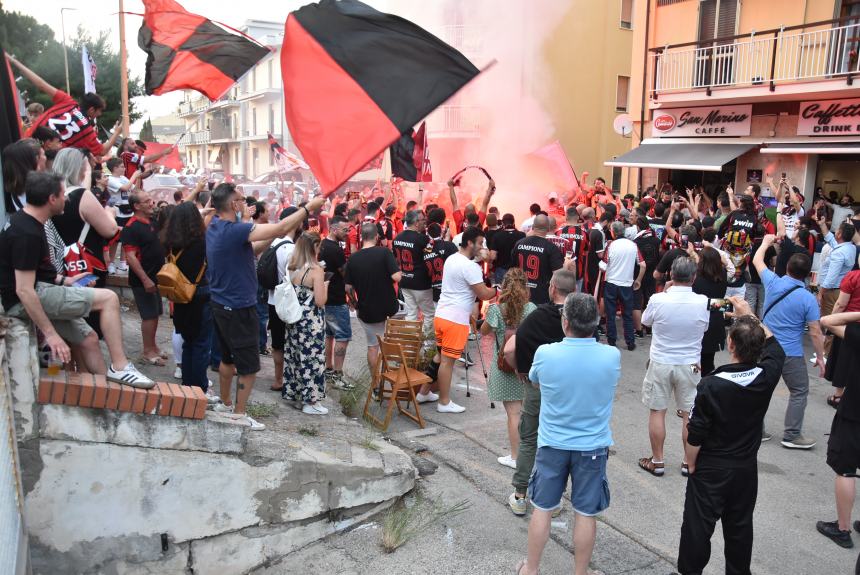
(163,180)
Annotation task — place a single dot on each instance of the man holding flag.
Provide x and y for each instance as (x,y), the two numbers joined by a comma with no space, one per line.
(75,123)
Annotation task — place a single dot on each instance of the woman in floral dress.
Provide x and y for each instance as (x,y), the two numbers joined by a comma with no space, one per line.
(304,352)
(507,314)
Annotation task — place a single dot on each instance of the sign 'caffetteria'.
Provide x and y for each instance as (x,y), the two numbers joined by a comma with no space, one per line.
(710,121)
(829,117)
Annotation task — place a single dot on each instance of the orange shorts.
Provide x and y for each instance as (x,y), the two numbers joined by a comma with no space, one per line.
(451,337)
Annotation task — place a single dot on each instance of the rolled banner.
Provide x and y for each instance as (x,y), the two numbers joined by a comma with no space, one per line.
(456,177)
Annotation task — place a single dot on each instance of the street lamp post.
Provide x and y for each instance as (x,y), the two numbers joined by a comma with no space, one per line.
(65,51)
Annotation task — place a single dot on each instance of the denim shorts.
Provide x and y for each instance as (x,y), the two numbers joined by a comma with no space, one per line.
(589,492)
(337,322)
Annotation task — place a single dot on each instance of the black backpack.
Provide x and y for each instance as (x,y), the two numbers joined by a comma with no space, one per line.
(267,266)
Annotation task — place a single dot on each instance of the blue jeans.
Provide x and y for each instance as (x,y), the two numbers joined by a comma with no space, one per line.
(195,352)
(263,315)
(611,294)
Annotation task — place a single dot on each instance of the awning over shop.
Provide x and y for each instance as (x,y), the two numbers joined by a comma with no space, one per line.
(704,157)
(214,153)
(813,148)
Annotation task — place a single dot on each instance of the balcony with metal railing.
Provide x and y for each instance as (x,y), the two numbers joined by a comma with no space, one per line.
(777,60)
(468,39)
(197,105)
(196,138)
(455,121)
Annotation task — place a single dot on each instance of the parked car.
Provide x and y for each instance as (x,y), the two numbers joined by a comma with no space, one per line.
(163,182)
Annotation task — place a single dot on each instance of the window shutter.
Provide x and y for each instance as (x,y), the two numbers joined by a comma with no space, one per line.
(726,25)
(627,14)
(707,19)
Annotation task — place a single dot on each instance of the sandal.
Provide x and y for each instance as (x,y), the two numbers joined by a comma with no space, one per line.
(685,470)
(833,400)
(655,469)
(273,388)
(157,361)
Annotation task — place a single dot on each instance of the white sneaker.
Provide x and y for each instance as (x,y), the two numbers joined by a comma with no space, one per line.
(450,408)
(507,461)
(111,268)
(177,373)
(221,408)
(254,424)
(430,397)
(314,409)
(813,359)
(122,267)
(211,397)
(130,376)
(466,359)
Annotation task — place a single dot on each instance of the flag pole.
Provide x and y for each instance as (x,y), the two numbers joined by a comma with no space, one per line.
(123,69)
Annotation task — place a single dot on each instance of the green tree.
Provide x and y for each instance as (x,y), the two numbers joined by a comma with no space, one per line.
(146,131)
(34,45)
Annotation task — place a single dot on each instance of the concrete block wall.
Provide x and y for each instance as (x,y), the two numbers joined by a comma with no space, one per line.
(133,490)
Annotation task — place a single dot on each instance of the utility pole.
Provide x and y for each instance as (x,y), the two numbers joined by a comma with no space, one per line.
(65,51)
(123,69)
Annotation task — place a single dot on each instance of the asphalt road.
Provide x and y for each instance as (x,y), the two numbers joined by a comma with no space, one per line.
(639,533)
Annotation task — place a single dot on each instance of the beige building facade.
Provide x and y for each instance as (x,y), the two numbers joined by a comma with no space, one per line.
(734,91)
(230,135)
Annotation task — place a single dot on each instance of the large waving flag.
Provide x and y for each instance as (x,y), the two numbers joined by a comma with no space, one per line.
(355,79)
(189,51)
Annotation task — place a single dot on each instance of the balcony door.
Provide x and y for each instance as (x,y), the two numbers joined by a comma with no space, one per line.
(844,45)
(715,58)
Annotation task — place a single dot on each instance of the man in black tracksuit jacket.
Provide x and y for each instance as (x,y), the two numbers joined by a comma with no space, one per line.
(725,431)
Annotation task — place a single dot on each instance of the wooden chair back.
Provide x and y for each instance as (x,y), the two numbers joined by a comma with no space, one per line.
(408,334)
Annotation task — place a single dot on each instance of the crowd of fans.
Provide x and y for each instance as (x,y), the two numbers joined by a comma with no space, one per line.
(695,274)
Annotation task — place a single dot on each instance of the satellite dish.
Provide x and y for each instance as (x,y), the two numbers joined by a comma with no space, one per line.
(623,125)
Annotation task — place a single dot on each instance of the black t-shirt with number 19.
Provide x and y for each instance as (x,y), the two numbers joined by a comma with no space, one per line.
(409,247)
(538,258)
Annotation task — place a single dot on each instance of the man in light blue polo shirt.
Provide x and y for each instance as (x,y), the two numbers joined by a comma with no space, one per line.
(573,433)
(787,307)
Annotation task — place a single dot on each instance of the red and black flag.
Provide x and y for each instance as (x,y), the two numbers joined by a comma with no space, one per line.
(285,161)
(189,51)
(355,79)
(410,157)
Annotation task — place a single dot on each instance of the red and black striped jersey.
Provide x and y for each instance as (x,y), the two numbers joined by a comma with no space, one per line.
(131,163)
(66,118)
(577,235)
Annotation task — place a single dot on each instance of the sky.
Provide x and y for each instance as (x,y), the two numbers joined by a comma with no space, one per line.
(98,15)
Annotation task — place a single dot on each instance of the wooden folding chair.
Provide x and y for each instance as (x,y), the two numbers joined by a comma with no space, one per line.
(397,383)
(409,335)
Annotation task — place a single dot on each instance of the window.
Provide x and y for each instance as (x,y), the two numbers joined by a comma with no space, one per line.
(254,121)
(627,14)
(717,18)
(256,156)
(622,90)
(271,119)
(236,157)
(271,78)
(616,178)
